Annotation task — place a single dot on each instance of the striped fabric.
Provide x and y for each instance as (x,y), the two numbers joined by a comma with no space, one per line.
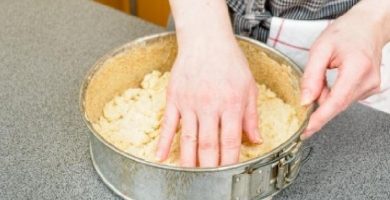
(252,17)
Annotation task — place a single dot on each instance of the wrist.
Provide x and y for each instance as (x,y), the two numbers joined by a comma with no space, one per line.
(204,34)
(386,22)
(201,39)
(208,47)
(378,12)
(201,23)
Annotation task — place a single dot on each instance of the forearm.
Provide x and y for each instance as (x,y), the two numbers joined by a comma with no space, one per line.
(198,20)
(379,11)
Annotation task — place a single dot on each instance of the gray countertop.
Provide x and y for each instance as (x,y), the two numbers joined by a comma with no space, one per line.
(47,46)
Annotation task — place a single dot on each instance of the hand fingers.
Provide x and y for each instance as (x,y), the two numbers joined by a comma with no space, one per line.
(322,99)
(231,132)
(208,144)
(171,119)
(313,78)
(340,96)
(324,94)
(188,139)
(251,119)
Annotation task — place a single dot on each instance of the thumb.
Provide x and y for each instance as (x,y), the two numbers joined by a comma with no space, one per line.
(315,71)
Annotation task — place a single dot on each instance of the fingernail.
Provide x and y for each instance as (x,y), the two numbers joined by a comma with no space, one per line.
(303,136)
(159,156)
(258,139)
(305,97)
(307,133)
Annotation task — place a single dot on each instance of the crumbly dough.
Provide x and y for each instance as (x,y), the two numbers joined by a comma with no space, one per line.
(131,121)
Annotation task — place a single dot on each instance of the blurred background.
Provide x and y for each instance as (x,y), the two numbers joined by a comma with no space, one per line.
(154,11)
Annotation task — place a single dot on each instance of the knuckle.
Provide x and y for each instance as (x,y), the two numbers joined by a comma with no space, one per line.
(316,128)
(208,144)
(366,66)
(366,63)
(376,83)
(204,96)
(362,62)
(207,111)
(372,83)
(164,138)
(319,46)
(310,79)
(185,103)
(187,138)
(171,92)
(167,125)
(376,90)
(251,114)
(341,104)
(230,142)
(165,122)
(235,109)
(313,50)
(319,121)
(234,98)
(373,91)
(164,125)
(234,102)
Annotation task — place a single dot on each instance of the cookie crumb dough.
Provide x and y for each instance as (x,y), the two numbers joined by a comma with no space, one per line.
(131,121)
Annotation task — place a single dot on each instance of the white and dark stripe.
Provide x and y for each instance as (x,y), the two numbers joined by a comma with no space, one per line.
(252,17)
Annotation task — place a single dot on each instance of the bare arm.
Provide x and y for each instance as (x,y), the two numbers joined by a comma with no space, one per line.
(199,20)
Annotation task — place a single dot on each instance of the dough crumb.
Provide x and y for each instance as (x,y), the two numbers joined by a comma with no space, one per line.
(131,121)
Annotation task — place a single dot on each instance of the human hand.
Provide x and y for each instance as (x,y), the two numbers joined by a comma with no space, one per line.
(214,94)
(353,45)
